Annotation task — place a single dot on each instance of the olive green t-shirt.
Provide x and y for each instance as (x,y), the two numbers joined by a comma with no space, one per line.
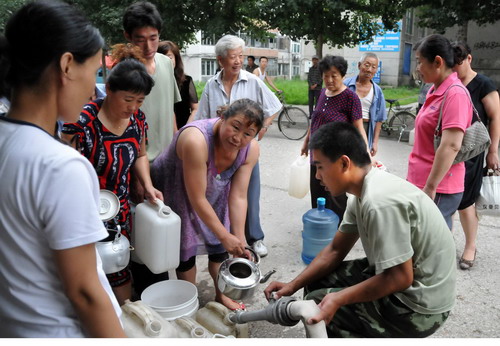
(396,221)
(158,107)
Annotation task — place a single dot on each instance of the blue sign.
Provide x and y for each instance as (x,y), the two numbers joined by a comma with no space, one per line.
(389,42)
(376,77)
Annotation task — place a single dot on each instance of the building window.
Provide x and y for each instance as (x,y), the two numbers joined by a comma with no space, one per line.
(207,39)
(295,70)
(208,67)
(283,69)
(409,21)
(295,47)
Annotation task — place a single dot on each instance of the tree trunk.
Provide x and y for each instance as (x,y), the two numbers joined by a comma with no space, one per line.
(319,46)
(463,31)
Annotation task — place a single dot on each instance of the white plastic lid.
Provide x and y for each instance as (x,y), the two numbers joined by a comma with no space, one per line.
(109,205)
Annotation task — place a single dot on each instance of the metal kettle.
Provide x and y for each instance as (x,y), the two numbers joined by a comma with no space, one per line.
(114,251)
(238,277)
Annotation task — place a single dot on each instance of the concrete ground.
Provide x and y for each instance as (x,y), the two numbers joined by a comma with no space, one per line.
(477,310)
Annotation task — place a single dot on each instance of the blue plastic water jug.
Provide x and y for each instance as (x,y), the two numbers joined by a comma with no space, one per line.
(320,226)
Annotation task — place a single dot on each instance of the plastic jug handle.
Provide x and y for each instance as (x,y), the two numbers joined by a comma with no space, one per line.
(221,310)
(196,331)
(163,210)
(151,324)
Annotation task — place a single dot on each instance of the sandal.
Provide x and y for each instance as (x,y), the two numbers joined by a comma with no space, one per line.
(241,307)
(466,264)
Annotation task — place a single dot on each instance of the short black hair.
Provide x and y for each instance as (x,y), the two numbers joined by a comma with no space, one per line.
(263,57)
(251,57)
(141,14)
(461,50)
(330,61)
(250,109)
(341,138)
(130,75)
(38,34)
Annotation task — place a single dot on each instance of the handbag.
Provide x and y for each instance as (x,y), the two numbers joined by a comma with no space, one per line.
(476,137)
(488,202)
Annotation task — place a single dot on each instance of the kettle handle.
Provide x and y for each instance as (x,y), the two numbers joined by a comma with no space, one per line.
(163,210)
(255,255)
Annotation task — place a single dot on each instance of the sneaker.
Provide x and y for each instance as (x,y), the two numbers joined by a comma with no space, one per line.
(260,248)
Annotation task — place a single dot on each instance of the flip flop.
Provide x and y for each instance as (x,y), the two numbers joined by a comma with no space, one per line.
(241,307)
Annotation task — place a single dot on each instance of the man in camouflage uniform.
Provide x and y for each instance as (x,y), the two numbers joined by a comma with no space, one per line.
(405,287)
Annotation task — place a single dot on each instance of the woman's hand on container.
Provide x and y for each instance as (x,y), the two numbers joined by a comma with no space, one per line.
(305,149)
(151,194)
(233,245)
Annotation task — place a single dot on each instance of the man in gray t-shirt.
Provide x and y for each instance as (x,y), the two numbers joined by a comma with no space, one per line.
(405,287)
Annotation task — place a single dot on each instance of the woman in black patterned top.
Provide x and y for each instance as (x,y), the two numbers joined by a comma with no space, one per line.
(111,133)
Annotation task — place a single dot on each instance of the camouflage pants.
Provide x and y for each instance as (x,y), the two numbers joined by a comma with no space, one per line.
(386,317)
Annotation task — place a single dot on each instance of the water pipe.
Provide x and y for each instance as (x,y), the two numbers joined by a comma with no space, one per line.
(286,311)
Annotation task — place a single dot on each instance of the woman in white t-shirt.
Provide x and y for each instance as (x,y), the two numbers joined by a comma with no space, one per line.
(52,280)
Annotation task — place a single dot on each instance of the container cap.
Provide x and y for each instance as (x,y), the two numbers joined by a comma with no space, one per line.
(321,201)
(109,205)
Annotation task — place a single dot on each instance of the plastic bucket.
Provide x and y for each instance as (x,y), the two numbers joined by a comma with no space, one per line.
(172,298)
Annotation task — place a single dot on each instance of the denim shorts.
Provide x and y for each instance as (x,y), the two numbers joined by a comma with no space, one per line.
(448,204)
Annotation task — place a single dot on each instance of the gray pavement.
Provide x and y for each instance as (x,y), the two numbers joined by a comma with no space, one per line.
(477,310)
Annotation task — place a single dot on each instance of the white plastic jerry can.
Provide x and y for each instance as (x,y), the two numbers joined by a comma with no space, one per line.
(140,321)
(157,236)
(186,327)
(298,185)
(215,317)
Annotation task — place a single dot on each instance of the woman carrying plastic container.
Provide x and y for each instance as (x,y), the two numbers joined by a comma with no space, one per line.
(204,176)
(52,282)
(111,133)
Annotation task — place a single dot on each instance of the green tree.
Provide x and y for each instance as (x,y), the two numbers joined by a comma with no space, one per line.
(333,22)
(7,8)
(442,14)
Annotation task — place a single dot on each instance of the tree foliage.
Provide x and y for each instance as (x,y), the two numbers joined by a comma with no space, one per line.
(442,14)
(334,22)
(7,8)
(181,19)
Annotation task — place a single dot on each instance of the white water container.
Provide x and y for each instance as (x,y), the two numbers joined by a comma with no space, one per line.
(140,321)
(298,185)
(187,327)
(172,298)
(157,236)
(215,317)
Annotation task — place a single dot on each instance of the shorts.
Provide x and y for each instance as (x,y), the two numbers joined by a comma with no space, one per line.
(448,205)
(190,263)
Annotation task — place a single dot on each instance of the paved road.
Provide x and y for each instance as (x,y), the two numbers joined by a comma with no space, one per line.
(477,310)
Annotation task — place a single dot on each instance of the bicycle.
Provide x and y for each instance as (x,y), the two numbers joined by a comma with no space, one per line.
(293,122)
(399,119)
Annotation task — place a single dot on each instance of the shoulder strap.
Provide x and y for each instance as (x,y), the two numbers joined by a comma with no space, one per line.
(438,126)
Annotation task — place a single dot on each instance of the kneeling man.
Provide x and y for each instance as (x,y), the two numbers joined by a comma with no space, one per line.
(405,287)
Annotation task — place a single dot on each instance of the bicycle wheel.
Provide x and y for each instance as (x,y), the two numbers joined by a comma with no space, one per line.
(402,123)
(293,122)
